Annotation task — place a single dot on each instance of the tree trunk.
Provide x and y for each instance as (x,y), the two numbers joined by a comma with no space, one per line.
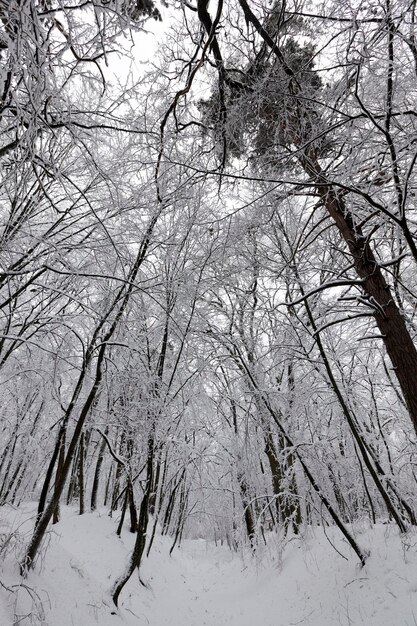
(287,505)
(132,508)
(247,510)
(61,458)
(119,467)
(394,333)
(44,519)
(288,442)
(123,514)
(97,472)
(81,456)
(139,547)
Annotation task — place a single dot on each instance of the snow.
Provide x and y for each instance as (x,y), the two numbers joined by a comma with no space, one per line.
(301,581)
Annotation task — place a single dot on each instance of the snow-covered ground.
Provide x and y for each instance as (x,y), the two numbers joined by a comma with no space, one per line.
(304,582)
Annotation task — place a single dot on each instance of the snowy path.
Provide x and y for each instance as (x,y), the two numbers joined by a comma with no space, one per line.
(205,585)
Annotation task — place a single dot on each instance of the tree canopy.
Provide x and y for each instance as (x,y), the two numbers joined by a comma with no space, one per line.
(208,266)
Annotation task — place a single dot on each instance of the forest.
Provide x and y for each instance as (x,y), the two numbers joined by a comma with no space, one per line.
(208,307)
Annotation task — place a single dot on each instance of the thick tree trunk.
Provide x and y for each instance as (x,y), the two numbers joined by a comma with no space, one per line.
(136,557)
(287,505)
(182,515)
(394,333)
(128,501)
(19,480)
(247,509)
(152,499)
(276,473)
(9,465)
(108,483)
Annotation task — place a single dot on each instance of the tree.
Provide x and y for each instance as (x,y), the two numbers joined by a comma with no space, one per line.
(207,293)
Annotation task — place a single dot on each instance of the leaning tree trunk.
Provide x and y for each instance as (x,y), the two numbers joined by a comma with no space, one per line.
(377,479)
(117,308)
(44,519)
(394,333)
(276,416)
